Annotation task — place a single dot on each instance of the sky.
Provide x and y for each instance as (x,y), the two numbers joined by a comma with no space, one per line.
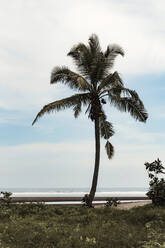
(58,151)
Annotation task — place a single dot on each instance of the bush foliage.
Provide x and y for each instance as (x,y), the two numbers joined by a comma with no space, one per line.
(48,226)
(112,202)
(157,185)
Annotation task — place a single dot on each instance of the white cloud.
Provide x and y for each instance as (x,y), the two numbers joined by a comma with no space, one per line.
(35,36)
(71,164)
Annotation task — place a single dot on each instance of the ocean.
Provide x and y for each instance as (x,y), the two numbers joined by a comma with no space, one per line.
(79,192)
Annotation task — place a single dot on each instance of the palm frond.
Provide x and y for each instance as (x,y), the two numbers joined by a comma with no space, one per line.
(66,76)
(98,69)
(94,44)
(77,50)
(109,149)
(133,94)
(113,50)
(82,59)
(63,104)
(106,128)
(89,60)
(99,63)
(77,109)
(112,80)
(135,108)
(111,53)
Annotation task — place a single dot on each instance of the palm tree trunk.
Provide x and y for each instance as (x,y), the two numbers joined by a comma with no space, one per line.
(97,162)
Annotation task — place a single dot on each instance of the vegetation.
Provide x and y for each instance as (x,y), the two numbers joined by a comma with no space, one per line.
(95,83)
(5,197)
(157,186)
(47,226)
(111,201)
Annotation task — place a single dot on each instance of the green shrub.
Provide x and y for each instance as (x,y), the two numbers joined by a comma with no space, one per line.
(112,202)
(5,197)
(157,186)
(48,226)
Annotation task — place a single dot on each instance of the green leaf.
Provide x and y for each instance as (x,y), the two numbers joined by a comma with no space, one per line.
(111,53)
(91,62)
(112,80)
(70,78)
(82,58)
(94,44)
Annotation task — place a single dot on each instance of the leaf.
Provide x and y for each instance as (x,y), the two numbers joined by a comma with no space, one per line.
(94,44)
(109,149)
(111,53)
(112,80)
(77,110)
(73,80)
(126,104)
(92,63)
(82,58)
(106,129)
(63,104)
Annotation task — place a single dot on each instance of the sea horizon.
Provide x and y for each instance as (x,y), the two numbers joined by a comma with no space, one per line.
(69,191)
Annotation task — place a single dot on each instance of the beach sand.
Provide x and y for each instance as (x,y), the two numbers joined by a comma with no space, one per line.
(133,204)
(129,205)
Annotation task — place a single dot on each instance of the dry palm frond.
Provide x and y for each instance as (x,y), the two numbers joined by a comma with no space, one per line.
(77,109)
(106,129)
(134,107)
(109,149)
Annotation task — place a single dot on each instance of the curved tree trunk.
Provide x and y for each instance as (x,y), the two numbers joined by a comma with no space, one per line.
(97,162)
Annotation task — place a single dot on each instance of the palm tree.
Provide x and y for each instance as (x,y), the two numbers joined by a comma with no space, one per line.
(95,83)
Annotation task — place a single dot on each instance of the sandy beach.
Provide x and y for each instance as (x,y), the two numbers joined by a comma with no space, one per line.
(133,204)
(129,205)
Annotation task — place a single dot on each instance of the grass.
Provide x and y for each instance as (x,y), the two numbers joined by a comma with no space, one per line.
(47,226)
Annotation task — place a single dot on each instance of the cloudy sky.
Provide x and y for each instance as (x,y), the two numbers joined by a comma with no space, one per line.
(58,151)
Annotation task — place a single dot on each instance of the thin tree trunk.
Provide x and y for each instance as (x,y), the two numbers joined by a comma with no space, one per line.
(97,162)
